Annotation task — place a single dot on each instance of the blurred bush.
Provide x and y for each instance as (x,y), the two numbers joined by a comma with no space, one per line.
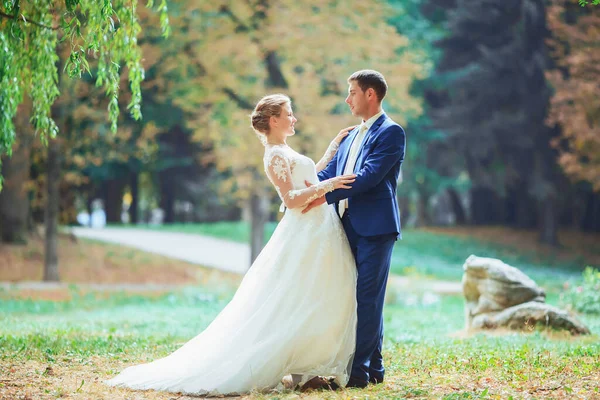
(585,295)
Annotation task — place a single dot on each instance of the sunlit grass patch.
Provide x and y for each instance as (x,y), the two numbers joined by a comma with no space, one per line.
(49,351)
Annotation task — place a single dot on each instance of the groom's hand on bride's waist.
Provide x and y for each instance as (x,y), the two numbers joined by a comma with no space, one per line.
(314,203)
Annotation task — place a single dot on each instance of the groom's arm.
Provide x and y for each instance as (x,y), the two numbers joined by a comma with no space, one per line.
(388,151)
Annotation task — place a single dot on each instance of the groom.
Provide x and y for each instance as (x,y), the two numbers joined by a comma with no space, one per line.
(374,151)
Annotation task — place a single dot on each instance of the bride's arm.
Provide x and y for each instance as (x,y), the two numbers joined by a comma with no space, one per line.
(328,156)
(280,174)
(332,149)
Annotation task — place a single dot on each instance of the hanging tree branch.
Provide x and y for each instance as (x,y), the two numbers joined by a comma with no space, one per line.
(93,23)
(27,20)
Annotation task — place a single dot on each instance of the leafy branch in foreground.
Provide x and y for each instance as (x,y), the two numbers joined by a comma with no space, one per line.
(584,3)
(39,36)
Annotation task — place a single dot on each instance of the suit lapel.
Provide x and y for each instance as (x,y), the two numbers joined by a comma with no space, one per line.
(370,133)
(346,152)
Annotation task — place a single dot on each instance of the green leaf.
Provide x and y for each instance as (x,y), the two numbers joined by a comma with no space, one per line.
(71,5)
(568,389)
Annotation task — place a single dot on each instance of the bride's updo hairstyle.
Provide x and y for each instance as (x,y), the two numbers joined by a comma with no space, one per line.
(269,106)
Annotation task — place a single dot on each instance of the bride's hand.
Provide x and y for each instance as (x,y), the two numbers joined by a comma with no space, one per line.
(343,133)
(343,181)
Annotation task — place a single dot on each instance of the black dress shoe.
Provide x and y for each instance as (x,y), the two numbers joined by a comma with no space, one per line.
(375,380)
(333,385)
(320,383)
(356,383)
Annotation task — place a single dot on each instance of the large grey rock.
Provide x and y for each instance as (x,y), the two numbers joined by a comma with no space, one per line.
(491,285)
(498,295)
(528,315)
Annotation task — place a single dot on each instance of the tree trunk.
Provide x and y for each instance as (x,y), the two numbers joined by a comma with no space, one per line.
(546,193)
(53,167)
(276,78)
(404,203)
(112,195)
(457,207)
(422,210)
(51,214)
(572,207)
(133,208)
(591,218)
(485,208)
(14,197)
(525,209)
(167,195)
(167,203)
(485,205)
(67,210)
(259,214)
(548,221)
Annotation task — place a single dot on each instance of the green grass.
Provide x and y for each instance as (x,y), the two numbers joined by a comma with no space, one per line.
(442,256)
(437,255)
(423,359)
(426,356)
(91,325)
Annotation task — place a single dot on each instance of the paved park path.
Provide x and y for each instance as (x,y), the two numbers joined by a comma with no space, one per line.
(196,249)
(203,250)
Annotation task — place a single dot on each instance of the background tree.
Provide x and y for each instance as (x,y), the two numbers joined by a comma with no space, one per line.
(305,49)
(494,106)
(30,32)
(431,166)
(14,197)
(30,59)
(575,105)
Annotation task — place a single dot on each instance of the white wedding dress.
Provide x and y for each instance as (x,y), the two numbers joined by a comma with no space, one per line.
(294,312)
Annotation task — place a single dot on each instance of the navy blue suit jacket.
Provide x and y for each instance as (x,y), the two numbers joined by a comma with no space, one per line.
(372,204)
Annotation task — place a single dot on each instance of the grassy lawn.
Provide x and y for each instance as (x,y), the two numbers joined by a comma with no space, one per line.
(64,345)
(441,253)
(66,349)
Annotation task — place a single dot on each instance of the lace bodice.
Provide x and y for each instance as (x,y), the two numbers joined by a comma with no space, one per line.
(287,170)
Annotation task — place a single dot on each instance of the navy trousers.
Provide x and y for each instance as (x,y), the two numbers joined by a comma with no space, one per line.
(373,256)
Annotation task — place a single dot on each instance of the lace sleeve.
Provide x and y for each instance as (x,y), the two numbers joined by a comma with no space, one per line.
(328,156)
(279,173)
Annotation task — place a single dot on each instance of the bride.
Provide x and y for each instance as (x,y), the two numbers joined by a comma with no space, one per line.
(293,318)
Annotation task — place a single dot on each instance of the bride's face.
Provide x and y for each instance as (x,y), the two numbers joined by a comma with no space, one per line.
(286,121)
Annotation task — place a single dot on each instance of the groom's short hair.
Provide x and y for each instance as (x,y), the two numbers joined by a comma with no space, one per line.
(370,79)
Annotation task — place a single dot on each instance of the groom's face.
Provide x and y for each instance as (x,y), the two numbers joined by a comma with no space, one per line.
(357,99)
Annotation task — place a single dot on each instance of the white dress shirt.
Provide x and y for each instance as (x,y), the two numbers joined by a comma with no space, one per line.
(354,150)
